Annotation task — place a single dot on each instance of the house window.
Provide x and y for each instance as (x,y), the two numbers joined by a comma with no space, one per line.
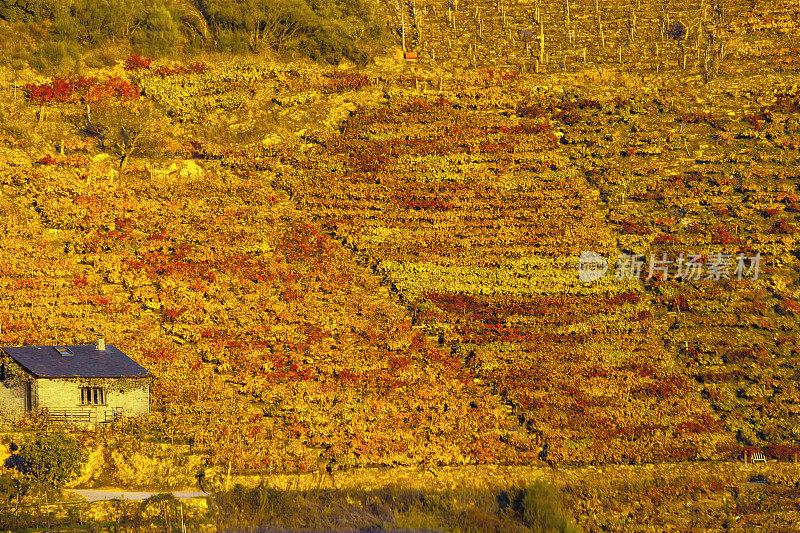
(93,395)
(63,350)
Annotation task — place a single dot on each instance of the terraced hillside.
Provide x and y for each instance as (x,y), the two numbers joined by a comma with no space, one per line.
(358,266)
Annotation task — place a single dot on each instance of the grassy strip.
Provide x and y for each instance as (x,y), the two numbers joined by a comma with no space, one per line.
(533,508)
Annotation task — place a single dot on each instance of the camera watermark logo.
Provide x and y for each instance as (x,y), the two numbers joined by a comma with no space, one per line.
(591,267)
(714,266)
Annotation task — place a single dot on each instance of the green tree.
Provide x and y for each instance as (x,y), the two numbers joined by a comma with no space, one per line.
(51,459)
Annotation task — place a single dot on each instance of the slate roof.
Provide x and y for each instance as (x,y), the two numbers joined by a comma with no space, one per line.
(86,361)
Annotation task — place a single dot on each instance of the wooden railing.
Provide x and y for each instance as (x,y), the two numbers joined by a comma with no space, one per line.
(69,415)
(113,415)
(83,415)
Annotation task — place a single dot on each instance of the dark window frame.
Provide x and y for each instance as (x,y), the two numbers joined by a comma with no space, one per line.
(94,396)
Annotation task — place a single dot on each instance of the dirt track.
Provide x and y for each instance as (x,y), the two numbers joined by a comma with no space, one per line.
(93,495)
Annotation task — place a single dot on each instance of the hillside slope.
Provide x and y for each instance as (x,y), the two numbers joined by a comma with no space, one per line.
(345,263)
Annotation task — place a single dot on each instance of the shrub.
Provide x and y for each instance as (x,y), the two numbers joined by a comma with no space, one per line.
(232,41)
(51,459)
(26,10)
(676,31)
(789,307)
(97,21)
(782,226)
(61,56)
(159,33)
(12,488)
(126,130)
(632,225)
(74,89)
(538,507)
(262,506)
(136,62)
(325,31)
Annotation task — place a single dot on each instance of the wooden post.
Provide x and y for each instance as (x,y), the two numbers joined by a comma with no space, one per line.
(599,22)
(403,24)
(47,510)
(794,457)
(701,20)
(541,39)
(166,520)
(419,28)
(745,458)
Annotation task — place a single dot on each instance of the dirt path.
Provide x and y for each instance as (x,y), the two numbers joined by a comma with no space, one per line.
(95,495)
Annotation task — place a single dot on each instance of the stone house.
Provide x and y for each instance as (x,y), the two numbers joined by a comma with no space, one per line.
(84,384)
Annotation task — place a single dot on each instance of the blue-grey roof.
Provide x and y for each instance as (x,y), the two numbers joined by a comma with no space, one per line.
(85,361)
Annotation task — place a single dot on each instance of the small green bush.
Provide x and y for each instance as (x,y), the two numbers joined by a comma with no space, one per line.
(51,459)
(12,488)
(56,57)
(325,30)
(539,508)
(159,34)
(232,41)
(265,506)
(97,21)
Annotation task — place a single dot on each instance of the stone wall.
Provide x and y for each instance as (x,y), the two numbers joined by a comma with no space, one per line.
(13,390)
(130,394)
